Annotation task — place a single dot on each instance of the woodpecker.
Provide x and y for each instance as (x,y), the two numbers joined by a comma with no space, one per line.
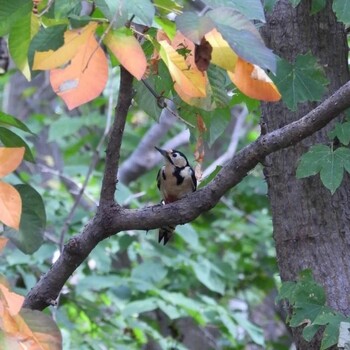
(174,180)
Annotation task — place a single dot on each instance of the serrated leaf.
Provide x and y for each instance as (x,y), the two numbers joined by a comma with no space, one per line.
(343,154)
(10,139)
(342,10)
(33,221)
(311,162)
(193,26)
(302,81)
(331,332)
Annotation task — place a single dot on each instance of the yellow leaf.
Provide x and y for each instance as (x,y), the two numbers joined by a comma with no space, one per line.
(222,54)
(10,205)
(10,159)
(187,78)
(84,78)
(254,82)
(128,51)
(73,40)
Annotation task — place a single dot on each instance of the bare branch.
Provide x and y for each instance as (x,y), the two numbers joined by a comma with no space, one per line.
(110,220)
(115,139)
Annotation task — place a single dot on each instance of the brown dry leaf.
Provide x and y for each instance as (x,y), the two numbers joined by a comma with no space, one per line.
(127,50)
(11,301)
(84,78)
(10,205)
(202,55)
(254,82)
(73,40)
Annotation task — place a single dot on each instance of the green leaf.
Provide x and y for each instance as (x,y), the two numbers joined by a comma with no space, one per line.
(219,121)
(140,306)
(188,234)
(295,3)
(342,10)
(11,12)
(302,81)
(218,82)
(9,120)
(143,11)
(149,271)
(193,26)
(10,139)
(342,132)
(64,8)
(332,172)
(343,154)
(33,221)
(50,38)
(19,39)
(312,161)
(207,273)
(317,5)
(252,9)
(256,333)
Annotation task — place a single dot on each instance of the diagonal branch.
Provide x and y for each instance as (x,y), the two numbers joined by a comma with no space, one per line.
(110,220)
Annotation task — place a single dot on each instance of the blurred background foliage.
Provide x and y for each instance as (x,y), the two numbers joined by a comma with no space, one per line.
(211,287)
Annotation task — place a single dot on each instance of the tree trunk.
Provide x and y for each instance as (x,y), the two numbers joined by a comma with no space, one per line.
(311,227)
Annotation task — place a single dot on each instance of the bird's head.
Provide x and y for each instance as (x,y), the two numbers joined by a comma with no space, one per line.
(173,157)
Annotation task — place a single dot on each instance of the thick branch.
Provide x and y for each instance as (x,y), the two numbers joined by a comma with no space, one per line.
(115,138)
(187,209)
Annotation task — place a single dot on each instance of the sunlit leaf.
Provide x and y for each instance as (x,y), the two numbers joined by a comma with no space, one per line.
(254,82)
(127,50)
(10,159)
(189,79)
(84,78)
(222,54)
(73,41)
(10,205)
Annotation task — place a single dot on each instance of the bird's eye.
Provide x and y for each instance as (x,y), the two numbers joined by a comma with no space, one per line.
(174,155)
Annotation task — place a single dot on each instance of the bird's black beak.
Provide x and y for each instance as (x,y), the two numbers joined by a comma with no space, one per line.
(163,152)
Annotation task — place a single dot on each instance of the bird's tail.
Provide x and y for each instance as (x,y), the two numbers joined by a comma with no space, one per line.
(165,233)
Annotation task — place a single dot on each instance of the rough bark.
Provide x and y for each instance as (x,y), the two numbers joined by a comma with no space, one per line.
(311,227)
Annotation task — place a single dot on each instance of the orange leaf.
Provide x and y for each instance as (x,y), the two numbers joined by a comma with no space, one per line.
(222,54)
(73,40)
(3,242)
(84,78)
(10,301)
(10,159)
(254,82)
(128,51)
(10,205)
